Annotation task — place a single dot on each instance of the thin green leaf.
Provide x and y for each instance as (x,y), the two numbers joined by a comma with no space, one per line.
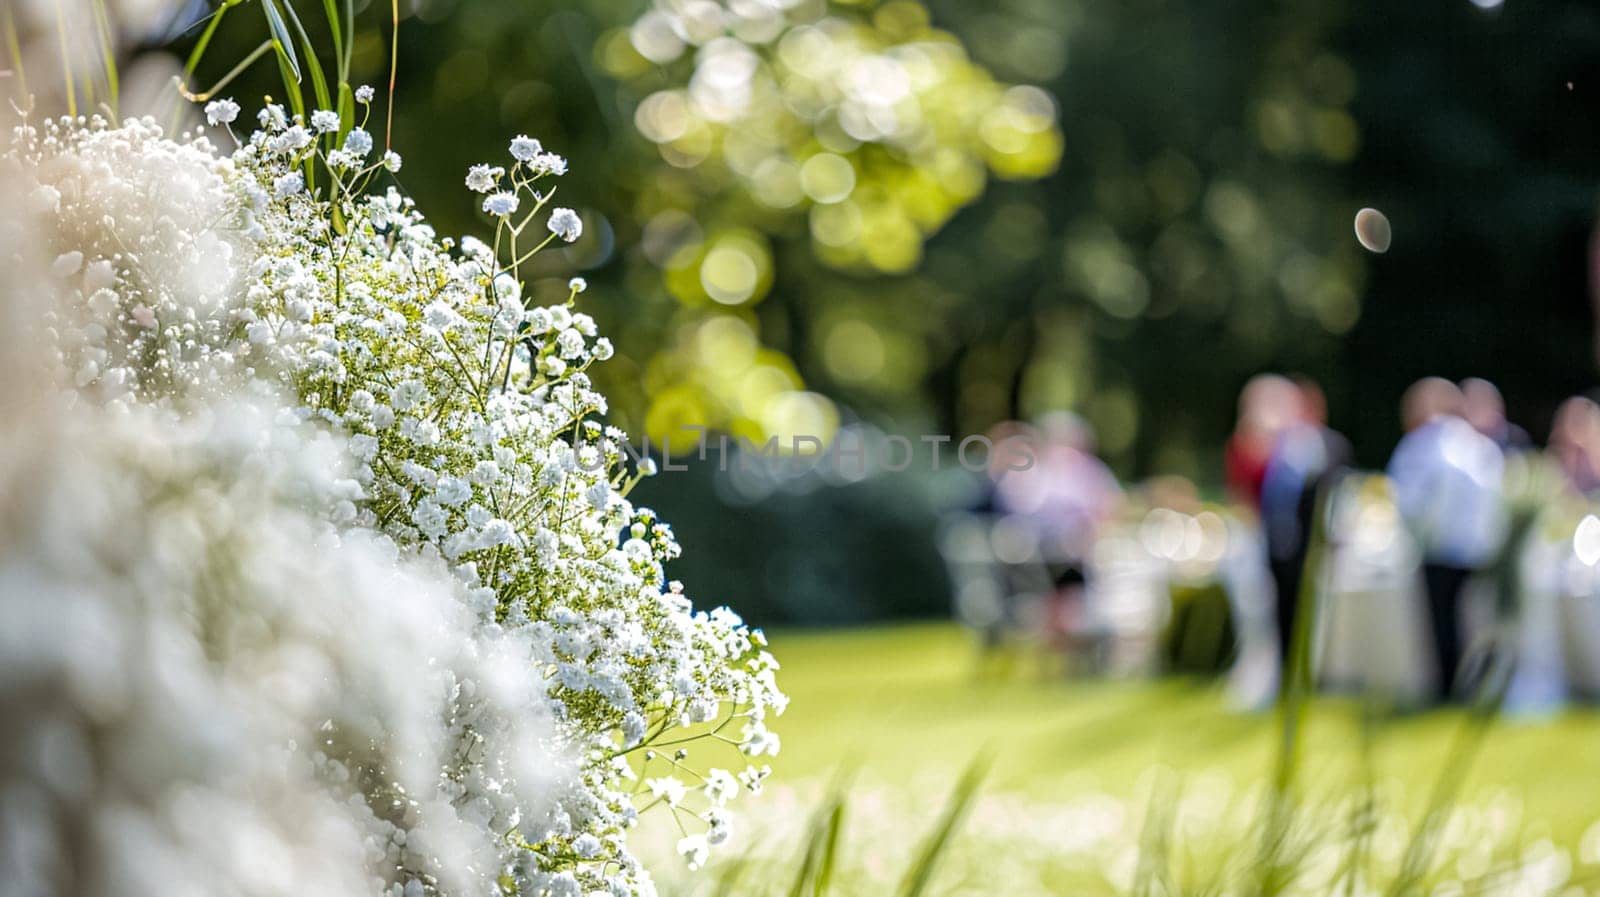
(205,36)
(282,40)
(347,110)
(238,69)
(297,101)
(394,67)
(331,12)
(732,875)
(350,42)
(830,848)
(66,63)
(808,856)
(319,82)
(107,45)
(921,871)
(14,49)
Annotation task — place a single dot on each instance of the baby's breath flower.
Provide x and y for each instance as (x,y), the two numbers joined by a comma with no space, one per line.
(566,224)
(694,850)
(372,330)
(391,161)
(289,184)
(364,93)
(549,163)
(324,120)
(67,264)
(221,112)
(483,178)
(44,198)
(525,148)
(291,139)
(501,204)
(358,142)
(272,117)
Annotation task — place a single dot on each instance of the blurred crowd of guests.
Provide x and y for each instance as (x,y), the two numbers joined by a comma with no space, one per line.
(1465,552)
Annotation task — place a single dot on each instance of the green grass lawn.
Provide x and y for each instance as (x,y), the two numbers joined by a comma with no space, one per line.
(902,704)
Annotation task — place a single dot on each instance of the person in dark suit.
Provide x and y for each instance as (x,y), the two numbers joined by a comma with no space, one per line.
(1306,457)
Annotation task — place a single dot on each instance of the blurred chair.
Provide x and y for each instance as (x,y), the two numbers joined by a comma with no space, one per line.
(1004,588)
(1548,580)
(1372,628)
(1187,592)
(1558,615)
(1200,638)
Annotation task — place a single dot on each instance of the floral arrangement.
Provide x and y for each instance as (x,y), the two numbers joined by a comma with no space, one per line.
(369,486)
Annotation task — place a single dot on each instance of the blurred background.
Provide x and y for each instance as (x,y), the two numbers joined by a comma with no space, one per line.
(931,217)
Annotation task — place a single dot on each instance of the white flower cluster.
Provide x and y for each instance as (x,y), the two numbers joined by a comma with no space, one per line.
(472,439)
(146,292)
(207,689)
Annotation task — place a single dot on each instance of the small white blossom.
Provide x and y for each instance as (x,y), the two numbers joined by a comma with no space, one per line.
(570,343)
(586,846)
(525,148)
(324,120)
(272,117)
(67,264)
(668,789)
(289,184)
(694,850)
(721,786)
(44,198)
(566,224)
(364,93)
(221,112)
(501,204)
(358,142)
(483,178)
(549,163)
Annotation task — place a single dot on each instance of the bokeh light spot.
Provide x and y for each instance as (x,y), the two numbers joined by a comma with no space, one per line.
(827,177)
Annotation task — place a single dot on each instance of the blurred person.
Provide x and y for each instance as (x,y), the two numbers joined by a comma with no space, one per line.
(1307,455)
(1575,443)
(1485,409)
(1064,497)
(1013,442)
(1447,481)
(1268,404)
(1066,492)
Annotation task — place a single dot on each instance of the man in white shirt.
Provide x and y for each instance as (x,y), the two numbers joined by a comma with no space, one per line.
(1447,480)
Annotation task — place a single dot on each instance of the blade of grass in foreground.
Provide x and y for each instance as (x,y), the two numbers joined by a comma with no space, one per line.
(1488,696)
(921,871)
(1153,874)
(1294,698)
(822,843)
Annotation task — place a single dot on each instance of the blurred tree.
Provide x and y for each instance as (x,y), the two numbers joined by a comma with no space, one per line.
(804,213)
(1483,146)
